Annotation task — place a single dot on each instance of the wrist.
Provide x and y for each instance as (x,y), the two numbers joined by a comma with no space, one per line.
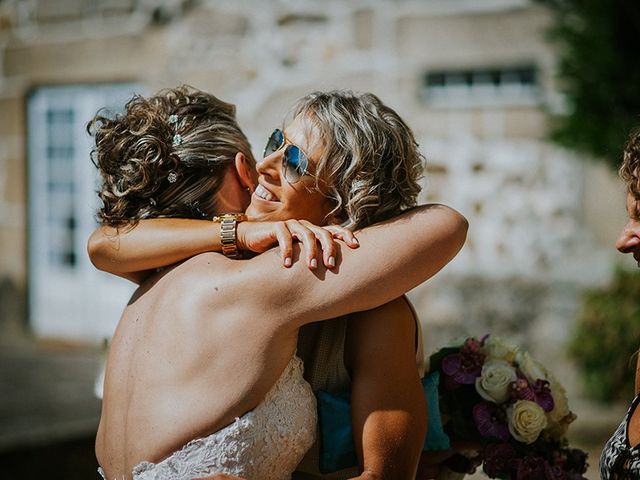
(229,233)
(241,235)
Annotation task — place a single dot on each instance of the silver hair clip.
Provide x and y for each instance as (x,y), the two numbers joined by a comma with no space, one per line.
(152,201)
(172,177)
(177,138)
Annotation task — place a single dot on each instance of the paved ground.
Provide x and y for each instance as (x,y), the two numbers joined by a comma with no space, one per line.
(48,413)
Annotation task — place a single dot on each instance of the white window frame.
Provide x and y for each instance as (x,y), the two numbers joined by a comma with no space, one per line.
(483,87)
(69,301)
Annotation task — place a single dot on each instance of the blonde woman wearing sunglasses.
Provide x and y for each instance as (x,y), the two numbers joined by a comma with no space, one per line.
(202,379)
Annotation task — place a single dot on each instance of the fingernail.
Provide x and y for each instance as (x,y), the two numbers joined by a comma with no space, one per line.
(287,262)
(331,261)
(355,240)
(314,263)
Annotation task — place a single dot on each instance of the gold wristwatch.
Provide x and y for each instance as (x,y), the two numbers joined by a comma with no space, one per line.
(228,228)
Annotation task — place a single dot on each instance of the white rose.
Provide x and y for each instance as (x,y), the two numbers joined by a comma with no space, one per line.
(530,368)
(495,380)
(499,348)
(526,420)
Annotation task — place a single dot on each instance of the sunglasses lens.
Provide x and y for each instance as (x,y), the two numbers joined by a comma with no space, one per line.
(295,163)
(274,143)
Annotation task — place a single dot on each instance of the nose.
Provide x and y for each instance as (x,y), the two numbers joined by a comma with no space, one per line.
(629,238)
(271,165)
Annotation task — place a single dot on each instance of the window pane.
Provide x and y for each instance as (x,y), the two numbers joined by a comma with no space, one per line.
(482,86)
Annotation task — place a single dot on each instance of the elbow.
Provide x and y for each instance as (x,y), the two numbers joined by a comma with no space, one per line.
(456,227)
(461,229)
(97,249)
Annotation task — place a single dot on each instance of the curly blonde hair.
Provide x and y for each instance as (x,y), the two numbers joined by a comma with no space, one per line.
(630,168)
(165,156)
(371,164)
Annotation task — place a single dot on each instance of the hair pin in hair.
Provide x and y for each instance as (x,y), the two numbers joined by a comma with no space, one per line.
(172,177)
(195,208)
(152,201)
(173,119)
(177,140)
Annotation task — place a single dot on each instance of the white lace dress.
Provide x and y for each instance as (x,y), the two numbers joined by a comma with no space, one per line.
(266,443)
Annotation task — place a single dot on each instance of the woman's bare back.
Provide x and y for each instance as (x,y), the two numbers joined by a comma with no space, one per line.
(185,361)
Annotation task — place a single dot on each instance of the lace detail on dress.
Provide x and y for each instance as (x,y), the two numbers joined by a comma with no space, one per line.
(264,444)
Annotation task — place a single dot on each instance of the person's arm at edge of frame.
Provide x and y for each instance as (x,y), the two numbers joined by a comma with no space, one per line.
(637,372)
(389,409)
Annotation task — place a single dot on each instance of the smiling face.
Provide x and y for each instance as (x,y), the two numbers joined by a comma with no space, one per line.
(629,240)
(277,199)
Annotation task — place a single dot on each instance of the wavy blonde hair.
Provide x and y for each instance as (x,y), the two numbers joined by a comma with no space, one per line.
(165,156)
(371,165)
(630,168)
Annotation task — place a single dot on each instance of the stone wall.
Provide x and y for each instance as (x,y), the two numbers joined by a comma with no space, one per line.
(542,220)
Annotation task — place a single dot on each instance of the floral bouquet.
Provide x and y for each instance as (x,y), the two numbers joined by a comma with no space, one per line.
(494,395)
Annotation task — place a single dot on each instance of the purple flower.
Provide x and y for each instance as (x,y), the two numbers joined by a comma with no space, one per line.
(498,460)
(520,390)
(466,365)
(531,468)
(453,366)
(554,473)
(558,457)
(448,383)
(539,392)
(491,421)
(543,395)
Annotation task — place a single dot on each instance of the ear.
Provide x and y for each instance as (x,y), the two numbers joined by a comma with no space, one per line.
(246,173)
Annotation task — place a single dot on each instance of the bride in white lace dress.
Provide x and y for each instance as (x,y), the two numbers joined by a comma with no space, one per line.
(202,376)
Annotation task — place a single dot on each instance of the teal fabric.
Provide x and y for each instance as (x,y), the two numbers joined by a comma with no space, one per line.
(337,450)
(436,438)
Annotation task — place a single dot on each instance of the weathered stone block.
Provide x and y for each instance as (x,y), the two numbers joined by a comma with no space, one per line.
(12,116)
(363,28)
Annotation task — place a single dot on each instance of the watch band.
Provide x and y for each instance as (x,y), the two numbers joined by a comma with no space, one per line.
(228,232)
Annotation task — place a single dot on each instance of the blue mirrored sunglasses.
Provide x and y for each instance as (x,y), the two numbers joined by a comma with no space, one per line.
(294,160)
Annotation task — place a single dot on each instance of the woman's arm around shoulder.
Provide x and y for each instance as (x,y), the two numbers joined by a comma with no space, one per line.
(150,244)
(394,257)
(132,251)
